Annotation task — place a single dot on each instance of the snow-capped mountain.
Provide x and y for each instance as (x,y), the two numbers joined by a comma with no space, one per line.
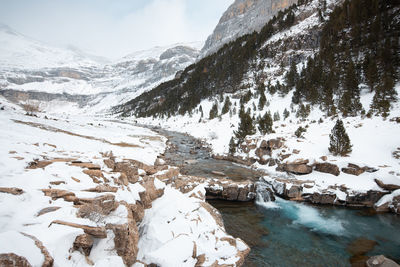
(21,52)
(242,17)
(28,66)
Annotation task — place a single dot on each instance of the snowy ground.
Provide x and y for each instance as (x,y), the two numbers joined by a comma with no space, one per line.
(174,220)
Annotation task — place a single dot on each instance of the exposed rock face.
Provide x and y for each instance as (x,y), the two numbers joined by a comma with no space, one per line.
(317,198)
(242,17)
(327,168)
(266,147)
(299,167)
(83,243)
(389,187)
(353,170)
(13,190)
(231,191)
(365,199)
(381,261)
(11,259)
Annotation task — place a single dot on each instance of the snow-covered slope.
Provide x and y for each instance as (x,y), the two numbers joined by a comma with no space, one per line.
(21,52)
(67,201)
(27,65)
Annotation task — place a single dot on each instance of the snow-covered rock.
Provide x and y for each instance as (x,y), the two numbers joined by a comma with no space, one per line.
(66,199)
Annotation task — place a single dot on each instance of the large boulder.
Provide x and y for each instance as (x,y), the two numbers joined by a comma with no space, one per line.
(83,243)
(129,170)
(294,193)
(327,168)
(356,170)
(266,147)
(299,167)
(325,199)
(381,261)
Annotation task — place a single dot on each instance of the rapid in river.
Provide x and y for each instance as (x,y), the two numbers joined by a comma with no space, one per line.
(286,233)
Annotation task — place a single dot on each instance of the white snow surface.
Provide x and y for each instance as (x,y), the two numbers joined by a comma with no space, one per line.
(25,138)
(174,223)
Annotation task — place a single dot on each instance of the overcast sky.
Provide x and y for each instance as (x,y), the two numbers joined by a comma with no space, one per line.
(113,28)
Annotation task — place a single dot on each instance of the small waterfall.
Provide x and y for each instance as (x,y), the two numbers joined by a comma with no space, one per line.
(264,193)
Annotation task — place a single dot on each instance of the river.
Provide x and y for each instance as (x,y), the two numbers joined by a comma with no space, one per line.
(286,233)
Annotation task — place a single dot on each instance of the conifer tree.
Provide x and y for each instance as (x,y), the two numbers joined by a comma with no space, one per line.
(214,111)
(265,123)
(246,126)
(232,146)
(371,73)
(384,96)
(349,103)
(276,116)
(339,140)
(261,102)
(292,75)
(286,114)
(227,106)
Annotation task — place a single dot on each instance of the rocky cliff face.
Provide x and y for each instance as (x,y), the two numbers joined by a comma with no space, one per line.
(242,17)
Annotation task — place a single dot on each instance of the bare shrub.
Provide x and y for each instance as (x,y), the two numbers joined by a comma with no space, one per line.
(31,108)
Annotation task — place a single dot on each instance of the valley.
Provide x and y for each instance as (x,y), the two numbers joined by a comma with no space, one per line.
(274,143)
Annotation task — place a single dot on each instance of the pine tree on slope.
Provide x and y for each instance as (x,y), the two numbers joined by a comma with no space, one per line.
(339,140)
(246,126)
(265,123)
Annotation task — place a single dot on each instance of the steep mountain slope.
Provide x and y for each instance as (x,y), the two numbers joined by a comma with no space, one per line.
(242,17)
(35,71)
(271,99)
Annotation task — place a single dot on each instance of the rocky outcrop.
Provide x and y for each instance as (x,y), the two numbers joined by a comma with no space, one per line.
(389,187)
(242,17)
(97,232)
(389,202)
(231,191)
(48,259)
(266,147)
(11,190)
(83,243)
(11,260)
(298,167)
(224,189)
(367,199)
(327,168)
(356,170)
(97,207)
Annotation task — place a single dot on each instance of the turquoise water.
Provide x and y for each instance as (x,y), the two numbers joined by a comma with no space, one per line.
(287,233)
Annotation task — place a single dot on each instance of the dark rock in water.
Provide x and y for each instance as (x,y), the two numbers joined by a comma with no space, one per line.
(327,168)
(358,249)
(381,261)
